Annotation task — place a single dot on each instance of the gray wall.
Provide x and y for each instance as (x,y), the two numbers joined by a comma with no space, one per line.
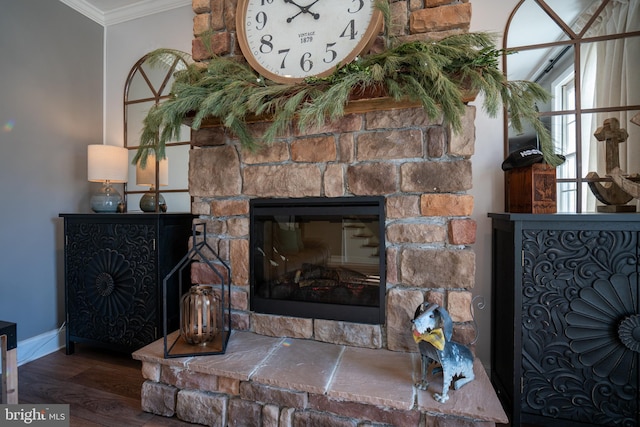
(51,62)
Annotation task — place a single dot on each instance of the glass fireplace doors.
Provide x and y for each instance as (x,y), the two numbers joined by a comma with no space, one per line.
(318,258)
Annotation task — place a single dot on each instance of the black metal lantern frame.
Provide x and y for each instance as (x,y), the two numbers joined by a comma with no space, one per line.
(179,347)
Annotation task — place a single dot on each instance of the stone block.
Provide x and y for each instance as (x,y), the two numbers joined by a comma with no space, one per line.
(277,151)
(436,177)
(219,44)
(436,141)
(158,398)
(238,227)
(446,205)
(217,15)
(314,149)
(151,371)
(369,179)
(201,6)
(230,14)
(462,231)
(404,206)
(285,180)
(334,181)
(198,407)
(214,171)
(440,18)
(213,136)
(239,299)
(200,207)
(185,378)
(400,118)
(202,274)
(244,413)
(320,419)
(281,326)
(230,386)
(386,145)
(392,265)
(401,306)
(230,207)
(346,148)
(459,306)
(366,413)
(201,23)
(270,416)
(346,333)
(412,232)
(462,143)
(398,18)
(286,417)
(432,268)
(239,260)
(273,395)
(347,123)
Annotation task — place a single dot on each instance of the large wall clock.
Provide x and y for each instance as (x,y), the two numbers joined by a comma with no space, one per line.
(289,40)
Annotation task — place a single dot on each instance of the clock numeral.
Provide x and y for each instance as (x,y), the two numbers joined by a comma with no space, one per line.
(332,52)
(265,43)
(284,53)
(350,30)
(360,6)
(264,2)
(261,19)
(305,63)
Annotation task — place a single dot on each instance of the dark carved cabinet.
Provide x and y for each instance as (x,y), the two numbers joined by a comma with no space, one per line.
(114,268)
(566,318)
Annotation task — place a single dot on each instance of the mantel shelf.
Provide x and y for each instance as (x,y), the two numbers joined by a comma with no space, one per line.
(357,105)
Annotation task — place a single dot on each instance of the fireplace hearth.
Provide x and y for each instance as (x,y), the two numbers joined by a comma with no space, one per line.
(318,258)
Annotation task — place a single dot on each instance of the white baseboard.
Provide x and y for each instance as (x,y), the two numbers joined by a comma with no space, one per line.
(36,347)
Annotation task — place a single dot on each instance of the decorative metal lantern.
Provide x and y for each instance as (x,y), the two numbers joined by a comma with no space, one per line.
(205,309)
(199,315)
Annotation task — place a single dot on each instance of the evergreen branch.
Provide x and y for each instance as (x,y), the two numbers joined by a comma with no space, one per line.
(431,72)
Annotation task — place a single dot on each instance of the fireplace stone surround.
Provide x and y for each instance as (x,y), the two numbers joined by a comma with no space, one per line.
(423,171)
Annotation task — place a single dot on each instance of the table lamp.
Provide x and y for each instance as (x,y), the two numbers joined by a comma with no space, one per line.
(106,164)
(147,177)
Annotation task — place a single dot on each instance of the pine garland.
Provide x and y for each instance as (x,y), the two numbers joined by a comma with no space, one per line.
(434,73)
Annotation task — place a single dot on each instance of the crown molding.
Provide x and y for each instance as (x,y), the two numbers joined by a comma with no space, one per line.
(125,13)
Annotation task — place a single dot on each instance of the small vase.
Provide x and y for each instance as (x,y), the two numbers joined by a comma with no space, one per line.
(199,315)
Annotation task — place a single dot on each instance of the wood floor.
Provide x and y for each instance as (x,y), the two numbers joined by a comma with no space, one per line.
(101,387)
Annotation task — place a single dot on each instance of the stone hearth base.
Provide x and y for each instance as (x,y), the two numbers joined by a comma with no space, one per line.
(285,382)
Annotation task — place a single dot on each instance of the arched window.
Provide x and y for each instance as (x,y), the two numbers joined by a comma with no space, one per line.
(148,84)
(586,53)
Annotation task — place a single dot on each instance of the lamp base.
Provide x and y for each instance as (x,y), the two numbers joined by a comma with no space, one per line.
(148,202)
(106,199)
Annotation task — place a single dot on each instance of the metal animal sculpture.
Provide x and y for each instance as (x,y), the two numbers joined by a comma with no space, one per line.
(432,330)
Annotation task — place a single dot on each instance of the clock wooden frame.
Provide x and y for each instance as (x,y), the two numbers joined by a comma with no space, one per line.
(363,45)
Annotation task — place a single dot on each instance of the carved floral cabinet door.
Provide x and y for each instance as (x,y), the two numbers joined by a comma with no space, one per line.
(114,267)
(580,325)
(566,318)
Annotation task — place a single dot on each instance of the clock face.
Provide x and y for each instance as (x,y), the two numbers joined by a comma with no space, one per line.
(288,40)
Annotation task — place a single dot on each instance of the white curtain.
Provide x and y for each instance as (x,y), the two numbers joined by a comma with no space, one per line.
(611,68)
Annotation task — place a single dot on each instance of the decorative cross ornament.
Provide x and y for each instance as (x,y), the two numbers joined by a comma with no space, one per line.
(613,135)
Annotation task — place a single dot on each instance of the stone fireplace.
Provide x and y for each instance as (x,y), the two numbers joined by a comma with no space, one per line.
(418,169)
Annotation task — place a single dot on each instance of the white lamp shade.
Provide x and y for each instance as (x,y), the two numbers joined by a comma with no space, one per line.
(147,176)
(107,163)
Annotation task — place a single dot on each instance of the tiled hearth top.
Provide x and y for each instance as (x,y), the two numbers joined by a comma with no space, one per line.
(371,376)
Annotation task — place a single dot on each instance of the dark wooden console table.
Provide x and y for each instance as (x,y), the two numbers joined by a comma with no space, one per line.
(566,318)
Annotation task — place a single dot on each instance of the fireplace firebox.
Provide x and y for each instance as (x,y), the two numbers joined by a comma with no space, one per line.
(318,258)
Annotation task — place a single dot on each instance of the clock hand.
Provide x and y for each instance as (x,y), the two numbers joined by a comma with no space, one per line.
(303,9)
